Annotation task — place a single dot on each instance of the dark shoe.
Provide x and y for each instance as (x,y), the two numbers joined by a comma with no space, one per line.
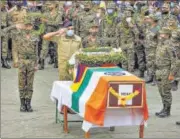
(157,113)
(23,106)
(41,64)
(5,63)
(141,74)
(174,85)
(178,123)
(51,61)
(153,82)
(28,105)
(149,79)
(165,113)
(112,128)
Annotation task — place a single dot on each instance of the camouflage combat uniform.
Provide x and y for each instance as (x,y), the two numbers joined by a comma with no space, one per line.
(25,54)
(53,24)
(110,31)
(85,20)
(139,44)
(151,42)
(164,65)
(4,42)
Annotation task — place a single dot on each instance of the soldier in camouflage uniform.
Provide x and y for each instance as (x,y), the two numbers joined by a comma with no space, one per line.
(165,15)
(25,58)
(151,41)
(92,39)
(110,32)
(4,42)
(85,20)
(165,66)
(98,19)
(127,38)
(15,16)
(52,22)
(139,42)
(172,24)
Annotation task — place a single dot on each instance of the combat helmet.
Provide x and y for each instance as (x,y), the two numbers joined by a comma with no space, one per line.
(165,30)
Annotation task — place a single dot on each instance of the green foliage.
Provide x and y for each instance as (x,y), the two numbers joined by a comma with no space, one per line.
(98,49)
(98,60)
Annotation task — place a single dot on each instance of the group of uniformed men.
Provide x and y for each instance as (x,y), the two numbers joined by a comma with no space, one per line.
(148,35)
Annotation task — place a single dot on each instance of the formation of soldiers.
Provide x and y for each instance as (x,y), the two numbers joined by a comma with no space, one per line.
(148,34)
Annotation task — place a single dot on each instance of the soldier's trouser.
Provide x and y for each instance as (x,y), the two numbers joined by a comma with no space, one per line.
(4,47)
(26,77)
(45,49)
(129,53)
(139,50)
(150,60)
(164,86)
(63,73)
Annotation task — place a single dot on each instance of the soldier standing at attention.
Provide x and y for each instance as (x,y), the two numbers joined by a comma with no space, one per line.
(173,26)
(4,42)
(175,43)
(85,19)
(165,15)
(25,58)
(127,38)
(165,65)
(92,39)
(110,21)
(151,42)
(52,23)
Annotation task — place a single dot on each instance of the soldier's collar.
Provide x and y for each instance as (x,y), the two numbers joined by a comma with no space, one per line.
(68,37)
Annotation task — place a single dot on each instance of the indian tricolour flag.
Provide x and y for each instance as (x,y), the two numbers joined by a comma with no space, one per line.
(89,95)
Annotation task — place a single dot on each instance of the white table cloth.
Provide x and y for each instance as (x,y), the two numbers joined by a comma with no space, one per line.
(113,117)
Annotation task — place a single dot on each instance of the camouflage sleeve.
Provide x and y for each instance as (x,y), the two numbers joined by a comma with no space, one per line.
(6,31)
(84,43)
(175,65)
(57,20)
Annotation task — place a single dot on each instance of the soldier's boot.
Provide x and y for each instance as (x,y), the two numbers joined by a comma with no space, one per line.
(55,63)
(174,85)
(51,61)
(112,128)
(5,63)
(157,113)
(28,105)
(41,64)
(149,78)
(141,74)
(154,81)
(23,106)
(178,123)
(166,112)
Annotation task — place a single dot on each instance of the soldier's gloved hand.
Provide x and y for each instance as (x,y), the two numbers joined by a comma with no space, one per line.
(171,77)
(15,65)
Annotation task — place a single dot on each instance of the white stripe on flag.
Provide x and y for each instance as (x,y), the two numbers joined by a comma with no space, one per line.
(88,91)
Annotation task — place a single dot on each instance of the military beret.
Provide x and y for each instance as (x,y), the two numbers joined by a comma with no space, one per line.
(165,30)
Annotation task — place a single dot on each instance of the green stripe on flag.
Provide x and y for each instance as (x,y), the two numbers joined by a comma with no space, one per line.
(76,95)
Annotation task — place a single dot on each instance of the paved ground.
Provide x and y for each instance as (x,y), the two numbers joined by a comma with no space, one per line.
(41,122)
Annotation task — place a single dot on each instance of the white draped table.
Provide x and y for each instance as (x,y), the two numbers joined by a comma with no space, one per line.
(62,93)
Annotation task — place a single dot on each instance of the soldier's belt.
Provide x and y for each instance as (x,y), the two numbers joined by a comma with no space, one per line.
(27,56)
